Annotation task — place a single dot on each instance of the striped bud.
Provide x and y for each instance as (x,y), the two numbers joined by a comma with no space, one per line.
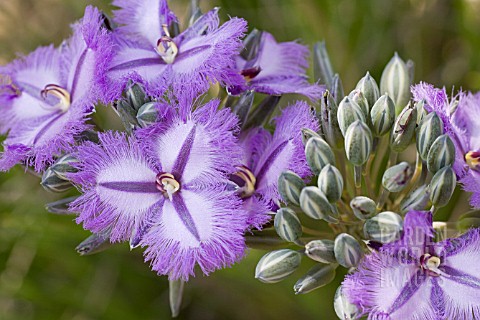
(289,186)
(348,113)
(396,82)
(337,88)
(288,225)
(251,45)
(136,97)
(343,308)
(396,178)
(469,220)
(347,250)
(358,97)
(385,227)
(318,276)
(318,154)
(242,107)
(417,200)
(60,206)
(322,67)
(63,166)
(382,115)
(127,114)
(330,181)
(441,154)
(147,115)
(403,129)
(363,207)
(442,187)
(329,121)
(315,205)
(358,143)
(428,131)
(97,242)
(53,183)
(421,112)
(321,251)
(368,86)
(277,265)
(307,134)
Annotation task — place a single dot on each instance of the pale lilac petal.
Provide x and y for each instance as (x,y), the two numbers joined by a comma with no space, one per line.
(254,142)
(284,85)
(258,212)
(207,23)
(471,183)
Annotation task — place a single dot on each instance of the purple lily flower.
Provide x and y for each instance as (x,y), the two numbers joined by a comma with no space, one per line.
(462,127)
(416,278)
(149,55)
(165,188)
(278,68)
(47,95)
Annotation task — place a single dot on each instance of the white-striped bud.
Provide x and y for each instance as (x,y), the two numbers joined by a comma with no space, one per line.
(277,265)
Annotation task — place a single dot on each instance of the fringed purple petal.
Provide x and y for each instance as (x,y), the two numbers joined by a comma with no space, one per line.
(12,155)
(254,142)
(207,23)
(471,183)
(285,85)
(258,212)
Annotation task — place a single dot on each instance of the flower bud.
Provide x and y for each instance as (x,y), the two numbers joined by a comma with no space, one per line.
(277,265)
(337,88)
(403,129)
(97,242)
(289,186)
(348,113)
(242,107)
(127,114)
(307,134)
(396,178)
(442,187)
(251,45)
(330,181)
(318,276)
(63,166)
(385,227)
(357,97)
(396,82)
(421,112)
(368,86)
(363,207)
(441,154)
(315,205)
(175,294)
(428,131)
(87,135)
(136,97)
(262,112)
(382,115)
(53,183)
(60,206)
(358,143)
(322,67)
(321,251)
(329,121)
(347,250)
(288,225)
(343,308)
(318,154)
(147,114)
(469,220)
(417,200)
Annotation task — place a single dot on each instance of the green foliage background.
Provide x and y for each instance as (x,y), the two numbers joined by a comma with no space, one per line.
(42,277)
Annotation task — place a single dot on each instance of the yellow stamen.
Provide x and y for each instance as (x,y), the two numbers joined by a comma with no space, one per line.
(473,159)
(60,93)
(250,180)
(167,184)
(166,47)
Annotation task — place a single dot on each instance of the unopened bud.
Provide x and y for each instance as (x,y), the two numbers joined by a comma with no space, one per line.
(358,97)
(127,114)
(147,114)
(347,250)
(288,225)
(368,86)
(97,242)
(251,44)
(385,227)
(348,113)
(322,67)
(329,121)
(337,88)
(330,181)
(53,183)
(428,131)
(63,166)
(396,178)
(315,205)
(318,154)
(289,186)
(321,251)
(441,154)
(403,129)
(382,115)
(358,143)
(343,308)
(277,265)
(136,97)
(60,206)
(442,187)
(417,200)
(242,107)
(315,278)
(307,134)
(421,112)
(396,82)
(363,207)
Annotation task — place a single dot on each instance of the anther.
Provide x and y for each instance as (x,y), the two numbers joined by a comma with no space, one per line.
(58,92)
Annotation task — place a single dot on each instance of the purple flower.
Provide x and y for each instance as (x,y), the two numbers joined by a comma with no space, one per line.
(463,127)
(148,54)
(416,278)
(165,188)
(47,95)
(278,68)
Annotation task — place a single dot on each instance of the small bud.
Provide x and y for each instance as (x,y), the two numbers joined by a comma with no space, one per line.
(348,113)
(343,308)
(251,44)
(136,97)
(396,178)
(318,154)
(277,265)
(441,154)
(469,220)
(403,129)
(127,114)
(147,114)
(396,82)
(428,131)
(330,181)
(262,112)
(357,97)
(289,186)
(417,200)
(347,250)
(321,251)
(318,276)
(368,86)
(97,242)
(382,115)
(87,135)
(60,206)
(288,225)
(358,143)
(242,107)
(53,183)
(329,121)
(385,227)
(363,207)
(307,134)
(421,112)
(322,67)
(442,187)
(337,88)
(63,166)
(315,205)
(175,294)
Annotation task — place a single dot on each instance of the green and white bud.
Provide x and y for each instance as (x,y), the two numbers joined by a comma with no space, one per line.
(315,204)
(343,308)
(358,97)
(322,67)
(347,250)
(318,276)
(262,112)
(321,251)
(243,105)
(403,129)
(441,154)
(318,154)
(288,225)
(95,243)
(368,86)
(60,206)
(442,187)
(358,143)
(147,114)
(136,97)
(396,82)
(396,178)
(385,227)
(63,166)
(337,88)
(307,134)
(277,265)
(289,186)
(53,183)
(329,121)
(417,200)
(428,131)
(382,115)
(421,112)
(348,113)
(251,44)
(330,181)
(363,207)
(127,114)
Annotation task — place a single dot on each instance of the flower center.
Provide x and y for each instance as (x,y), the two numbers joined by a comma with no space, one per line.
(59,93)
(166,47)
(473,159)
(246,180)
(250,73)
(167,184)
(430,264)
(7,87)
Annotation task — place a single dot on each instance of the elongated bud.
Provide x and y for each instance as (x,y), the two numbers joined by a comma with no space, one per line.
(343,308)
(421,112)
(194,12)
(318,154)
(315,205)
(175,294)
(136,97)
(441,154)
(127,114)
(60,206)
(358,143)
(53,183)
(368,86)
(147,114)
(87,135)
(396,82)
(315,278)
(347,250)
(330,181)
(322,67)
(97,242)
(288,225)
(329,121)
(251,44)
(396,178)
(337,88)
(385,227)
(63,166)
(363,207)
(307,134)
(417,200)
(243,105)
(469,220)
(442,187)
(348,113)
(382,115)
(403,129)
(429,130)
(262,112)
(289,186)
(321,251)
(358,97)
(277,265)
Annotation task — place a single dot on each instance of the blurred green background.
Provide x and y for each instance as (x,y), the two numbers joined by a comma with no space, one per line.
(42,277)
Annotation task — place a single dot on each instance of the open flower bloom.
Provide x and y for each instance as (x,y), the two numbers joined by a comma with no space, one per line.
(266,156)
(278,68)
(416,278)
(148,54)
(166,189)
(47,95)
(463,126)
